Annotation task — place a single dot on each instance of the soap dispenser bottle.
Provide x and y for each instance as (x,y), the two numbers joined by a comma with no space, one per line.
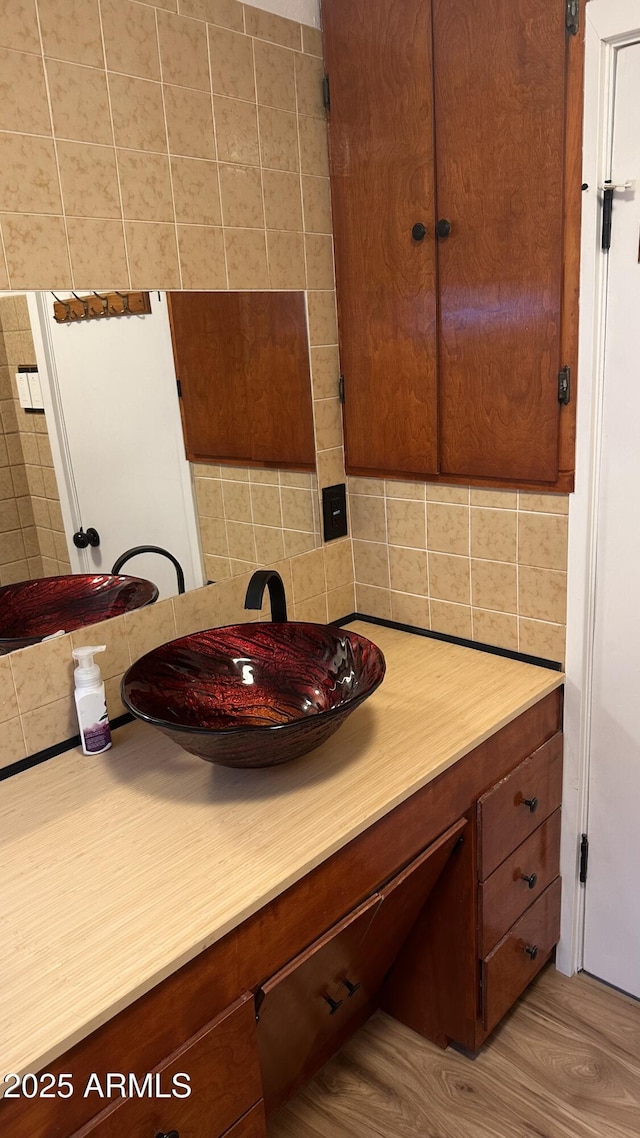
(91,704)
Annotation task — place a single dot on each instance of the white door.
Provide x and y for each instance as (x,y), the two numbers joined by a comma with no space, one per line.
(612,917)
(118,451)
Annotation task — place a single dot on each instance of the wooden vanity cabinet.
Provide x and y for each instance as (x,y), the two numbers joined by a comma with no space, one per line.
(406,890)
(455,147)
(312,1005)
(221,1063)
(492,922)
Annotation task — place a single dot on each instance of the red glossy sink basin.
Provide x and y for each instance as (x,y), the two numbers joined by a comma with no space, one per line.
(254,695)
(31,610)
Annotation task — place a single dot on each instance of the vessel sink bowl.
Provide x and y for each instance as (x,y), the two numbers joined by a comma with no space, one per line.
(31,610)
(254,695)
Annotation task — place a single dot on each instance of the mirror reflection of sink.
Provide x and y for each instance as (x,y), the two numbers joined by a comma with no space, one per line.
(33,610)
(254,695)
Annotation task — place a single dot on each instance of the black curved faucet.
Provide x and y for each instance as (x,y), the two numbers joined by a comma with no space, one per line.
(117,565)
(270,579)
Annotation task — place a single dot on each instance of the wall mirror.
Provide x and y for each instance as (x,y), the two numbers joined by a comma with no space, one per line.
(102,445)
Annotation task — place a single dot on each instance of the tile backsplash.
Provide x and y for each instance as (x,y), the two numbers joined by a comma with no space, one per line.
(486,565)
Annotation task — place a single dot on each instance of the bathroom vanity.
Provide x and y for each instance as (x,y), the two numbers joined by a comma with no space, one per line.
(166,918)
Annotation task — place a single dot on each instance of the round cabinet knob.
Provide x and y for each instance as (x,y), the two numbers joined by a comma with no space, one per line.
(532,803)
(531,879)
(443,228)
(531,950)
(419,231)
(169,1134)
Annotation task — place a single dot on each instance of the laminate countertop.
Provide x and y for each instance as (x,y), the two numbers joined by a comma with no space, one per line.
(116,870)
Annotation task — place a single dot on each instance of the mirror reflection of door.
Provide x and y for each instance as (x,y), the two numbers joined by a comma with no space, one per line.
(113,398)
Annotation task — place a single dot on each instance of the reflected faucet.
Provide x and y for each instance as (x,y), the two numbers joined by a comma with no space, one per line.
(117,565)
(270,579)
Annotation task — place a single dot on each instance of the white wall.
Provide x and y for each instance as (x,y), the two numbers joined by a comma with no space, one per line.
(305,11)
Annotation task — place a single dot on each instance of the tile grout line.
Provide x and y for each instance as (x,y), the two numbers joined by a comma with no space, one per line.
(115,151)
(54,139)
(166,135)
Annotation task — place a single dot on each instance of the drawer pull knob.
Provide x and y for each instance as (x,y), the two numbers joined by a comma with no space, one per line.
(351,988)
(532,803)
(531,950)
(531,879)
(333,1004)
(169,1134)
(419,231)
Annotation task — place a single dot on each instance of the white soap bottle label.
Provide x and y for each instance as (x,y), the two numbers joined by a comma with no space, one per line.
(94,723)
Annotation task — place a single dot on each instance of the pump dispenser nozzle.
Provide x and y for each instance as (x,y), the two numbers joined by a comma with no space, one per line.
(87,673)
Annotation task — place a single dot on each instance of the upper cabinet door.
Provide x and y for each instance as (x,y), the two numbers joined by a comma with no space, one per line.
(242,359)
(378,56)
(499,129)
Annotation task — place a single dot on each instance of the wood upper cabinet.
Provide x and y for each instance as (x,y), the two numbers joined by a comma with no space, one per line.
(242,360)
(458,117)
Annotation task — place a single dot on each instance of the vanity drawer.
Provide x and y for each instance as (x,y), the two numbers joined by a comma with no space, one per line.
(224,1075)
(508,970)
(506,894)
(515,806)
(251,1125)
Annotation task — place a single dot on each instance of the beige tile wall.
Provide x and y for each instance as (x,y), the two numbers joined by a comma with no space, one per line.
(487,565)
(32,541)
(250,517)
(145,146)
(36,684)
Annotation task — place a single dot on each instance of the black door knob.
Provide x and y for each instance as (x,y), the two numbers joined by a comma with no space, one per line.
(532,803)
(169,1134)
(419,231)
(443,227)
(351,988)
(531,879)
(531,950)
(83,538)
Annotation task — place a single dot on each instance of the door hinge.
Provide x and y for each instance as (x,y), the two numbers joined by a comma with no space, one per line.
(179,386)
(326,93)
(572,17)
(341,389)
(564,385)
(607,213)
(584,858)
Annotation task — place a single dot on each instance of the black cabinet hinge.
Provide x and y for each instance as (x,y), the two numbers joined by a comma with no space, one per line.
(341,389)
(326,93)
(584,858)
(179,386)
(564,385)
(572,17)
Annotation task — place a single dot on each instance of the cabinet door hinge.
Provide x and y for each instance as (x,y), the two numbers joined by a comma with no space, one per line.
(341,389)
(572,17)
(584,858)
(326,93)
(179,386)
(564,385)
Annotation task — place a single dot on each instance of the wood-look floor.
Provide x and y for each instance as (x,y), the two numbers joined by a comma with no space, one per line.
(564,1064)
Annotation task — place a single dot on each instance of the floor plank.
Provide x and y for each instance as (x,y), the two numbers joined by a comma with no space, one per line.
(565,1063)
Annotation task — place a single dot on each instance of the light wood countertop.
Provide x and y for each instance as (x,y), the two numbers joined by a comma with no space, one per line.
(116,870)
